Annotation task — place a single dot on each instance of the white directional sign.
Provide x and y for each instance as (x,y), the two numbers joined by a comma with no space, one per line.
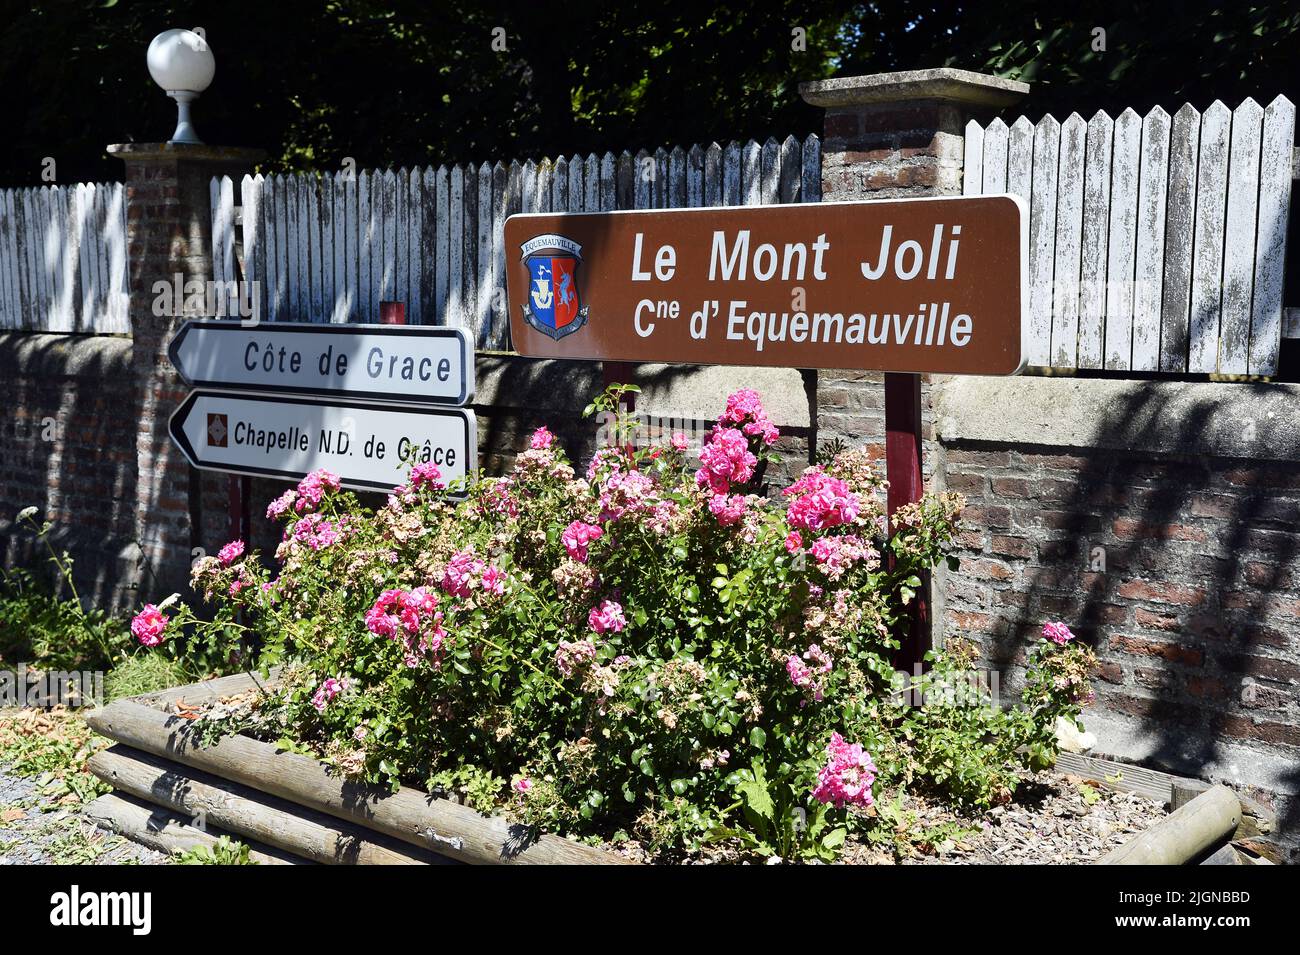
(370,448)
(392,362)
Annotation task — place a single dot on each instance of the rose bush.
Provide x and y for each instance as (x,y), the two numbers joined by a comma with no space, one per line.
(646,650)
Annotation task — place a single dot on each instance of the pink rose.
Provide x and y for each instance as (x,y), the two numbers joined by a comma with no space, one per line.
(148,625)
(577,536)
(846,778)
(607,618)
(230,553)
(1058,633)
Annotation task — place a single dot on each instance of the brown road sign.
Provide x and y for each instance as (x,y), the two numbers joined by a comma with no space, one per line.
(913,285)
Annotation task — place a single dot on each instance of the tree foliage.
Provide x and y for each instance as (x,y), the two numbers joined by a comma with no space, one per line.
(403,82)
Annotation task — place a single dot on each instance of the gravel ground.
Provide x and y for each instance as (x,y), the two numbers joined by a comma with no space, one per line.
(1057,819)
(35,831)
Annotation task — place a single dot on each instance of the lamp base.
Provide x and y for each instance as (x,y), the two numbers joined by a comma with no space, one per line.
(184,128)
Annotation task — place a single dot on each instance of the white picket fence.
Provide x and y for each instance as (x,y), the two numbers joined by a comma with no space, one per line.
(1155,244)
(63,259)
(332,247)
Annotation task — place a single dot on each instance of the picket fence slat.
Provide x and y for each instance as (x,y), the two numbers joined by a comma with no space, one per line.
(8,298)
(994,158)
(469,248)
(486,284)
(1096,233)
(1153,184)
(1069,230)
(1123,237)
(7,307)
(39,206)
(791,172)
(103,274)
(1239,238)
(1180,231)
(306,270)
(1270,245)
(1042,237)
(770,166)
(80,257)
(340,301)
(608,182)
(1207,255)
(317,268)
(251,201)
(972,174)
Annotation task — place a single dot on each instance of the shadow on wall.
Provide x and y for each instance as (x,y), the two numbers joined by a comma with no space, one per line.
(1172,541)
(68,449)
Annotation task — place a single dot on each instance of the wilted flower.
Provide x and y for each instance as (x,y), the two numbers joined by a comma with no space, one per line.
(572,656)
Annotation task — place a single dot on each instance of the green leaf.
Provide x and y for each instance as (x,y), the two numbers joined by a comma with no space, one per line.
(757,738)
(679,787)
(757,799)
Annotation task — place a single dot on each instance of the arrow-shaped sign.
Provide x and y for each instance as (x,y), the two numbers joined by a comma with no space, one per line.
(370,447)
(392,362)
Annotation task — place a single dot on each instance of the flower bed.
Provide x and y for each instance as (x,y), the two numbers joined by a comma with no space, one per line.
(650,653)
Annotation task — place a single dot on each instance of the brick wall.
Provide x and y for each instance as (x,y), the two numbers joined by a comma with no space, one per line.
(64,449)
(1157,519)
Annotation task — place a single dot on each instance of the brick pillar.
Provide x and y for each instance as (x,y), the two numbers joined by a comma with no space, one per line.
(168,233)
(892,136)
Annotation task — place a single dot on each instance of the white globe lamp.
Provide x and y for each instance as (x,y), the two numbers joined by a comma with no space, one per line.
(180,61)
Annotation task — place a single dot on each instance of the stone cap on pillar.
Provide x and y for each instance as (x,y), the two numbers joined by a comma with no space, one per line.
(187,152)
(945,85)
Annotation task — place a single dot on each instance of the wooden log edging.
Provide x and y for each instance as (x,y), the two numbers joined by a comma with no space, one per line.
(436,825)
(167,831)
(245,813)
(213,689)
(1184,834)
